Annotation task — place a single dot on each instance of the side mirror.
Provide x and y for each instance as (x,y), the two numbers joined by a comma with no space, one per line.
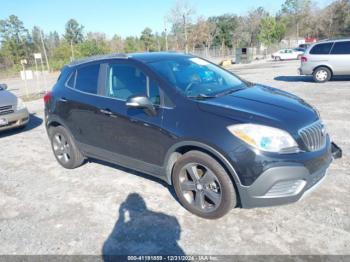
(141,102)
(3,86)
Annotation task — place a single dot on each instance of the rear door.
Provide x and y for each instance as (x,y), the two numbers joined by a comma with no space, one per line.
(80,104)
(340,57)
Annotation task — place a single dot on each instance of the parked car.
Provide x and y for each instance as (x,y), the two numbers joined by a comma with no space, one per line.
(287,54)
(326,59)
(300,49)
(13,111)
(219,140)
(304,46)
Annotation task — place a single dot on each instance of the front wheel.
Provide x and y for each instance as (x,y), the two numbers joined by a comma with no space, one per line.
(322,75)
(64,148)
(203,186)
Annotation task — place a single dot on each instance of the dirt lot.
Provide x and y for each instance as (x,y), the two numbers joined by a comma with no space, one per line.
(45,209)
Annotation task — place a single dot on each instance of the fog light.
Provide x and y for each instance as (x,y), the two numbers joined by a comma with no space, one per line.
(286,188)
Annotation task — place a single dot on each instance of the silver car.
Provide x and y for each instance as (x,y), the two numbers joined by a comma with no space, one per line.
(326,59)
(13,112)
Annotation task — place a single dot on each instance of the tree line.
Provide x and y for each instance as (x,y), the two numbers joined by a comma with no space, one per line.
(183,30)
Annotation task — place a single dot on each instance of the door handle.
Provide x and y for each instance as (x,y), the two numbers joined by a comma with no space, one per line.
(106,112)
(62,99)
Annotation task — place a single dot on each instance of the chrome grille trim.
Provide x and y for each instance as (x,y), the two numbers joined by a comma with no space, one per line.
(4,110)
(314,136)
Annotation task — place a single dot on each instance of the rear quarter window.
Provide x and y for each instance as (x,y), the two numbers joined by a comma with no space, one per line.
(341,48)
(87,78)
(321,49)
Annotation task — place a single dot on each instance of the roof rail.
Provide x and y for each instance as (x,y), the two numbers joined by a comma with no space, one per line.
(96,58)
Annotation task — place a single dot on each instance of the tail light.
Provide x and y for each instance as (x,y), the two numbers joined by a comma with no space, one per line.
(47,97)
(304,59)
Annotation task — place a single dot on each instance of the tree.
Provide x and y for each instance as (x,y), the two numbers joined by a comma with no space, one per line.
(252,24)
(294,14)
(74,32)
(16,42)
(226,26)
(147,39)
(116,44)
(181,17)
(131,44)
(270,31)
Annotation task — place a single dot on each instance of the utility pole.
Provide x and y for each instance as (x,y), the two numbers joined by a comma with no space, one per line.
(71,42)
(44,49)
(166,35)
(185,31)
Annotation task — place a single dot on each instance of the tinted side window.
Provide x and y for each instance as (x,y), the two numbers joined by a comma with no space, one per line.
(321,49)
(126,80)
(71,80)
(341,48)
(87,78)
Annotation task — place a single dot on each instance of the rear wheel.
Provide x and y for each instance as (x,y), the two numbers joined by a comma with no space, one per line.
(64,148)
(203,186)
(322,75)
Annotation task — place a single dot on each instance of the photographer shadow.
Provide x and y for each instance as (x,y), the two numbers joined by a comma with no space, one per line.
(140,231)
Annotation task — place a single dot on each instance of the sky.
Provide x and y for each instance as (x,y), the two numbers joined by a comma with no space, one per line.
(122,17)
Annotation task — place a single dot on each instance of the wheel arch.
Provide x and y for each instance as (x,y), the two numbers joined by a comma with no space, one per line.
(178,149)
(326,66)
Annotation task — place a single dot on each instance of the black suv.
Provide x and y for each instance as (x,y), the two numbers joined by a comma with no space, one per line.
(219,140)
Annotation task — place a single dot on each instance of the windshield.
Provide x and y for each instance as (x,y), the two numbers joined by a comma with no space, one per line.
(195,77)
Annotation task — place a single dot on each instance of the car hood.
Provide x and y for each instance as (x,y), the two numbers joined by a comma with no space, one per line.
(7,98)
(263,105)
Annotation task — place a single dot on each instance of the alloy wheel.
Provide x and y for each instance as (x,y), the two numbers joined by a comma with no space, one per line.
(200,187)
(61,148)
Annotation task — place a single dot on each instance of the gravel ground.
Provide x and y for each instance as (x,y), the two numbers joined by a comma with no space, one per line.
(45,209)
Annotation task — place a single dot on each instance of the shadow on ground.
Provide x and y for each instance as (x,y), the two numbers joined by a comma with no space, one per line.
(307,79)
(140,231)
(136,173)
(34,122)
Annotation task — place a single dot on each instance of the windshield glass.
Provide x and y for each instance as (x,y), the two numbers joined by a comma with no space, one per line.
(196,77)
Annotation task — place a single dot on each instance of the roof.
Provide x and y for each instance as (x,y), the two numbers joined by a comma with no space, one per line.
(335,39)
(96,58)
(143,57)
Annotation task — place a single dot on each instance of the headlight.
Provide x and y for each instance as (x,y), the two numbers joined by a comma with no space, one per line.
(265,138)
(20,104)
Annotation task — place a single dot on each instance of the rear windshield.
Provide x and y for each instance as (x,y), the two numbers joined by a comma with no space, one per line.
(321,49)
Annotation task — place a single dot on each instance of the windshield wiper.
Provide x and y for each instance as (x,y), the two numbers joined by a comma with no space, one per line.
(201,96)
(228,91)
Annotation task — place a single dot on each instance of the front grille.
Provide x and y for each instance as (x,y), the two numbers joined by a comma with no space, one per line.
(314,136)
(4,110)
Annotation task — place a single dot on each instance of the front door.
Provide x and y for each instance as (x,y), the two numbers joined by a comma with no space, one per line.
(132,135)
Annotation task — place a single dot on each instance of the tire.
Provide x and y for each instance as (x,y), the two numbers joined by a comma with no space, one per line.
(322,75)
(64,148)
(211,194)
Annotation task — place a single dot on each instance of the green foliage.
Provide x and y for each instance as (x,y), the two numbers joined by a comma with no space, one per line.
(131,44)
(91,47)
(271,31)
(74,32)
(225,28)
(147,39)
(15,39)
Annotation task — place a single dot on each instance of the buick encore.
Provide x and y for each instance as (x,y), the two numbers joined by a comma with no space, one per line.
(220,141)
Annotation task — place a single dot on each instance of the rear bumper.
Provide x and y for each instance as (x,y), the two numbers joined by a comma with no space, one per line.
(285,184)
(16,119)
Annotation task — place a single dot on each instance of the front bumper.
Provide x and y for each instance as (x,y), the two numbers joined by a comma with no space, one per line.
(16,119)
(285,184)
